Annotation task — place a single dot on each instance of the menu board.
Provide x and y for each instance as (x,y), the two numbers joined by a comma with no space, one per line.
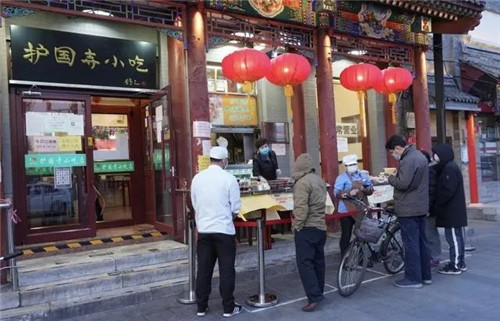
(233,110)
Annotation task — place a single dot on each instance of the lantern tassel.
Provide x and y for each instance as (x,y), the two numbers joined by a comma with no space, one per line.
(392,101)
(362,117)
(247,87)
(288,91)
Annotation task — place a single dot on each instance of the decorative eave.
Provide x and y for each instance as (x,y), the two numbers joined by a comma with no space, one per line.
(448,17)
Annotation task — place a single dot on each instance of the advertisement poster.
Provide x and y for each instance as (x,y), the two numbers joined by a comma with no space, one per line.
(233,110)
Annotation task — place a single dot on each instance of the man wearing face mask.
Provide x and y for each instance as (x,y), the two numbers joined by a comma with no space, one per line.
(355,183)
(215,195)
(411,205)
(265,164)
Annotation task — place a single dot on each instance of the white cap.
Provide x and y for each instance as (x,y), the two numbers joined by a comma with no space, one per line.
(218,152)
(350,160)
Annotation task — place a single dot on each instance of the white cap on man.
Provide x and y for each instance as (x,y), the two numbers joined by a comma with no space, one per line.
(350,160)
(218,152)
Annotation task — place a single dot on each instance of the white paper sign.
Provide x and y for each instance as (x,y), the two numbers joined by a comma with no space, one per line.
(279,149)
(158,131)
(201,129)
(342,145)
(159,113)
(34,124)
(44,144)
(74,125)
(381,194)
(41,123)
(206,146)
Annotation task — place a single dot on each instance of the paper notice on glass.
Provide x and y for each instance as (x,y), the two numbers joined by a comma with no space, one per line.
(159,113)
(206,145)
(201,129)
(56,122)
(342,145)
(158,131)
(69,143)
(34,124)
(43,144)
(279,149)
(74,125)
(62,177)
(203,162)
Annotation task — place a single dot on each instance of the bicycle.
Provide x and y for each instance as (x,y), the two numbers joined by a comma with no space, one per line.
(388,249)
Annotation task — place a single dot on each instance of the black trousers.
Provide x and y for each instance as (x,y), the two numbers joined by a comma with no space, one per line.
(346,225)
(310,254)
(213,247)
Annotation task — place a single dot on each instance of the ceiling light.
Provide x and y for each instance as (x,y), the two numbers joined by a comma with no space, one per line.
(98,12)
(357,52)
(243,34)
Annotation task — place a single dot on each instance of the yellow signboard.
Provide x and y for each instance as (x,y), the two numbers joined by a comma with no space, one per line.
(69,143)
(203,162)
(233,110)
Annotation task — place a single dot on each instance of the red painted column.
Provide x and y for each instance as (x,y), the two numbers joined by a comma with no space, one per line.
(197,75)
(299,122)
(326,109)
(421,102)
(390,129)
(471,150)
(180,123)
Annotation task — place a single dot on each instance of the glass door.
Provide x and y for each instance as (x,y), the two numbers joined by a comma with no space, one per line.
(159,166)
(52,176)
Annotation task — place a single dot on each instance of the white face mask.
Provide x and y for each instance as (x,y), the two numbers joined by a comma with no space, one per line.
(352,169)
(436,158)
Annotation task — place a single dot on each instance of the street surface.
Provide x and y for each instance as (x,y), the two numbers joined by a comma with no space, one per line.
(474,295)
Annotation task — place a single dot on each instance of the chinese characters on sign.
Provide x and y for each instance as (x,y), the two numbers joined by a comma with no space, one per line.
(62,57)
(347,130)
(54,160)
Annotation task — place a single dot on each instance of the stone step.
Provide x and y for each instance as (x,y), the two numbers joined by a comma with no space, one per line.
(96,262)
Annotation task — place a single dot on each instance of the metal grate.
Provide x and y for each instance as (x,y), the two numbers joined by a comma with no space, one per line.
(373,50)
(233,27)
(140,11)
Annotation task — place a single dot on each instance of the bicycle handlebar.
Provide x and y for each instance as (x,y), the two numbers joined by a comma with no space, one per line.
(365,207)
(11,256)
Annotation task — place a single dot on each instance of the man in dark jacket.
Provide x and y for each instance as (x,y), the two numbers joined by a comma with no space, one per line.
(309,198)
(265,163)
(433,238)
(450,208)
(411,205)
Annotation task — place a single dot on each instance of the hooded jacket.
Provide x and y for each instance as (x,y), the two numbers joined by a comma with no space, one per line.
(449,208)
(411,184)
(309,196)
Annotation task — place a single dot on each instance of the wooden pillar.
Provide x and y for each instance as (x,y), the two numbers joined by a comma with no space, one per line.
(197,75)
(180,123)
(326,109)
(439,84)
(299,122)
(390,129)
(471,150)
(421,102)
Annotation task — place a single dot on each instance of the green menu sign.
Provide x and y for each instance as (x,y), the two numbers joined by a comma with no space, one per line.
(54,160)
(113,167)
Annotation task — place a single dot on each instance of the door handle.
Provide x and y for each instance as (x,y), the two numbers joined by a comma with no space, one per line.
(172,171)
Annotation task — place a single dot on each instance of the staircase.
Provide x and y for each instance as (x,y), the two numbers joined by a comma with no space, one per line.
(76,284)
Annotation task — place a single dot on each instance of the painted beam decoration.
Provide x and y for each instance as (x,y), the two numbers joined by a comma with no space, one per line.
(71,58)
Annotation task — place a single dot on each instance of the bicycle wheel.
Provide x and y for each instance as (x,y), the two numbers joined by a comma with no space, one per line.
(352,268)
(393,252)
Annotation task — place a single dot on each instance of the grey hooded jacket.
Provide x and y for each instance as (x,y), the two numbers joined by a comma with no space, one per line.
(411,184)
(309,196)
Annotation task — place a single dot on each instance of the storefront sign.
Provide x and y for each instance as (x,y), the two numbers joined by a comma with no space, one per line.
(43,144)
(294,11)
(347,130)
(113,167)
(46,123)
(54,160)
(71,58)
(62,177)
(233,110)
(69,143)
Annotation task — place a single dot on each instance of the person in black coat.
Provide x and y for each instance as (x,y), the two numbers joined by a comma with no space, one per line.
(265,163)
(450,208)
(433,237)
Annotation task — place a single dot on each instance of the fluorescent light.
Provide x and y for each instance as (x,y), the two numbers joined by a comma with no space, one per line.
(357,52)
(259,46)
(243,34)
(98,12)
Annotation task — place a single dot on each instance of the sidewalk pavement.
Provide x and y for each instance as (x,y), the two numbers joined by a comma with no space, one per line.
(474,295)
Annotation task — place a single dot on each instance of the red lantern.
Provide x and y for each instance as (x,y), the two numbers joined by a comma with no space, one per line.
(380,85)
(245,66)
(360,77)
(394,80)
(289,70)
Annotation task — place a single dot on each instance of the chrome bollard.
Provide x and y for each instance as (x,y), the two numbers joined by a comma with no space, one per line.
(11,247)
(191,295)
(262,299)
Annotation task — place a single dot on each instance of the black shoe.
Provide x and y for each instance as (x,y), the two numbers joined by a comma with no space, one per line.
(310,307)
(237,309)
(462,266)
(450,269)
(201,312)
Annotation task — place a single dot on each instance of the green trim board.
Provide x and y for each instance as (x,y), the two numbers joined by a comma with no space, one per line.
(99,167)
(54,160)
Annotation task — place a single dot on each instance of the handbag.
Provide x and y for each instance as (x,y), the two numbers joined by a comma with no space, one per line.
(372,229)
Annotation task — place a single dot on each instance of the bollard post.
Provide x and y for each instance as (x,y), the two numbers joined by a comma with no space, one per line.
(262,299)
(191,295)
(11,247)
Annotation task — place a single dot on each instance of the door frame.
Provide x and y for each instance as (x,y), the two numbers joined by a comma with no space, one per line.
(87,226)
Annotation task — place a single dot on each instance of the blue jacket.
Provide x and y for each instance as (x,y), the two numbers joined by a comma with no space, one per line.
(343,183)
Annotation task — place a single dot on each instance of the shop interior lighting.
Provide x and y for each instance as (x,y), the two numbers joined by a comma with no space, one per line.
(357,52)
(98,12)
(243,34)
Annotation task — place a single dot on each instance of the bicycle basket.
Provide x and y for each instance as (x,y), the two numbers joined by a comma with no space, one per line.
(372,229)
